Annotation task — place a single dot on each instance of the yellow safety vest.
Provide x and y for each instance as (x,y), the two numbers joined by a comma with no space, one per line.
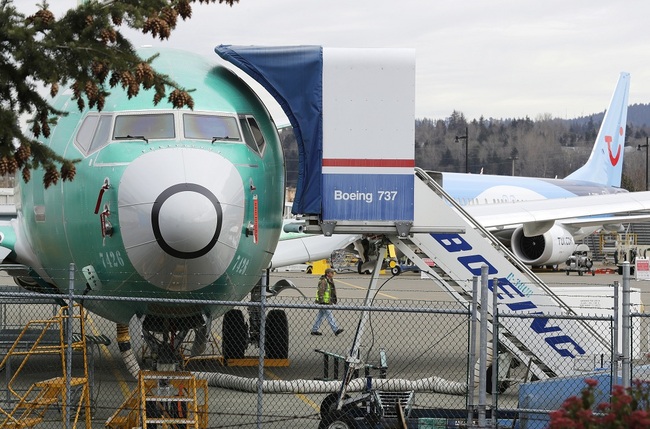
(326,293)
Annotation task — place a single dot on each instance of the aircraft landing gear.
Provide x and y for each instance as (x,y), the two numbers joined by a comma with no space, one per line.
(165,341)
(236,335)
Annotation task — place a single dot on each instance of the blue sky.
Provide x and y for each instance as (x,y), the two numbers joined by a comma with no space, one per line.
(499,58)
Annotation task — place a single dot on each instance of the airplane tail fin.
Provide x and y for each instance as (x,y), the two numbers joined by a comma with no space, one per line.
(605,164)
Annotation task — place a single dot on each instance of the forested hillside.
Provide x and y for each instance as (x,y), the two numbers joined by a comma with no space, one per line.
(540,147)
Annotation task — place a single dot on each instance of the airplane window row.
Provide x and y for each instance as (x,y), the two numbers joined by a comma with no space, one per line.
(95,131)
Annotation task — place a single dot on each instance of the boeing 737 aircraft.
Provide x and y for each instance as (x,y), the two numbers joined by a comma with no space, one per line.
(166,203)
(546,236)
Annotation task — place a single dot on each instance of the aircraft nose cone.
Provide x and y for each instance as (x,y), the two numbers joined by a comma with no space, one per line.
(181,213)
(186,233)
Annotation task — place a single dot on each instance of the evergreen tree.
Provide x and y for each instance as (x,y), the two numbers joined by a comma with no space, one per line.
(86,50)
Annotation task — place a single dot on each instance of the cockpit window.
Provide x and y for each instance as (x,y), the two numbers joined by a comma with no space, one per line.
(93,133)
(86,132)
(102,134)
(210,127)
(257,133)
(145,127)
(252,134)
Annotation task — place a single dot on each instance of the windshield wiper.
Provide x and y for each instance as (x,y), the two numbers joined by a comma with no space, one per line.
(130,137)
(224,138)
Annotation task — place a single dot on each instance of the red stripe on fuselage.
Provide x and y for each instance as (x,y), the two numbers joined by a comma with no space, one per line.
(347,162)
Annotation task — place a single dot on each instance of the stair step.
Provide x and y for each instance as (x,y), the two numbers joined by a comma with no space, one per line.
(40,402)
(118,422)
(168,399)
(23,423)
(170,420)
(59,382)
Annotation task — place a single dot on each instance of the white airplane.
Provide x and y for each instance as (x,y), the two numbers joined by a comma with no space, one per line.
(540,218)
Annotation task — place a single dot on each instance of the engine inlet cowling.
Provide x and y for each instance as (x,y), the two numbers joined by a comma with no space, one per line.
(551,248)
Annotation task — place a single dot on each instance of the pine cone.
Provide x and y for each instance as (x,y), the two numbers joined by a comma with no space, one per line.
(68,171)
(117,19)
(180,98)
(45,128)
(12,165)
(144,73)
(51,177)
(114,80)
(100,102)
(126,78)
(22,155)
(170,16)
(4,166)
(24,152)
(36,129)
(45,16)
(165,30)
(27,174)
(184,9)
(108,35)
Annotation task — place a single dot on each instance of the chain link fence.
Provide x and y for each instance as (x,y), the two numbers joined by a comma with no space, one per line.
(263,367)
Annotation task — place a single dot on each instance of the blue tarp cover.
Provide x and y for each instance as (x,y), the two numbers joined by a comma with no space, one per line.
(293,76)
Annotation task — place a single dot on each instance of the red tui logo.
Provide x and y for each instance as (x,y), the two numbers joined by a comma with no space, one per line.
(613,159)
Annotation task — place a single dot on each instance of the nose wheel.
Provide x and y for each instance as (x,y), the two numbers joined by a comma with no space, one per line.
(168,342)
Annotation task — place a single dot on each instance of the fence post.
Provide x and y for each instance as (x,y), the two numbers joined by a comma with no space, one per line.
(471,388)
(495,350)
(616,346)
(627,326)
(482,367)
(262,340)
(68,361)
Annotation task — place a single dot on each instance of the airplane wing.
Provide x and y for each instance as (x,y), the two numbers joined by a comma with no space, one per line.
(588,210)
(298,247)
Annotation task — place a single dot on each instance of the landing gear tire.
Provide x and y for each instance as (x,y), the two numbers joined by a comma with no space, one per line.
(235,335)
(276,342)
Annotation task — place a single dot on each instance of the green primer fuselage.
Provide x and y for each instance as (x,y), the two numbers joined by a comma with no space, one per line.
(123,248)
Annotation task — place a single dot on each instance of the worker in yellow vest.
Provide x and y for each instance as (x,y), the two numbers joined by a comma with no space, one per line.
(326,295)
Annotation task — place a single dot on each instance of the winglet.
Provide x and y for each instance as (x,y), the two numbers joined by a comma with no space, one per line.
(605,164)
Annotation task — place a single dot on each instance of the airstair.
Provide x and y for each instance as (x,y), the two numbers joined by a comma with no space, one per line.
(32,406)
(552,348)
(166,399)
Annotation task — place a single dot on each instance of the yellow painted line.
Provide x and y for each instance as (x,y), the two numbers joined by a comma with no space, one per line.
(300,396)
(103,349)
(365,288)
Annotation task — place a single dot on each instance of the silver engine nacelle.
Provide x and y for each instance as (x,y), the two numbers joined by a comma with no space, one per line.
(553,247)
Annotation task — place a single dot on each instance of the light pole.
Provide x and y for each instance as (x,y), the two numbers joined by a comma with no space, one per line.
(457,140)
(513,159)
(646,146)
